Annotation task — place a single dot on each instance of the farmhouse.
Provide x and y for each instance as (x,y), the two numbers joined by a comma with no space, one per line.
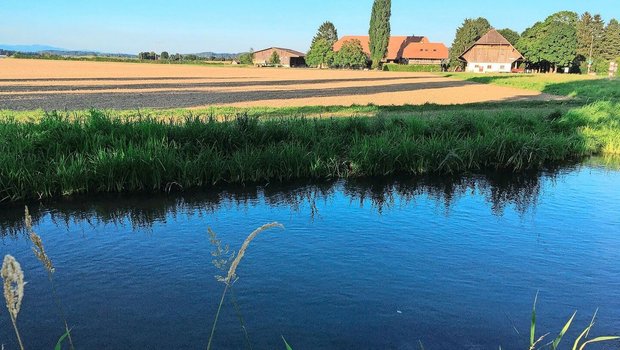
(288,57)
(404,49)
(492,54)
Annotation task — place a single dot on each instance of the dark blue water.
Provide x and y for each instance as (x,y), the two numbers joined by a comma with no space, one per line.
(448,263)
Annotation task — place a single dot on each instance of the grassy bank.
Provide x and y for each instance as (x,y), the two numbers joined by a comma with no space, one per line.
(227,113)
(582,87)
(63,154)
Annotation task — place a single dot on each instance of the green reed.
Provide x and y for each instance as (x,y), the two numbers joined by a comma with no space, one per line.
(63,154)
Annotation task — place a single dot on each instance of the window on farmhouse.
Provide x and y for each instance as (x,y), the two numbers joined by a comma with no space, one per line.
(489,67)
(502,67)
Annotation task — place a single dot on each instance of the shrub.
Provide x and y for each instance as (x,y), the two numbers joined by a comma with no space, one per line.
(392,67)
(275,58)
(351,55)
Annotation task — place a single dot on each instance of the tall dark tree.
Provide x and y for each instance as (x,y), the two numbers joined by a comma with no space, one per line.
(328,32)
(379,31)
(510,35)
(611,49)
(590,37)
(164,55)
(466,35)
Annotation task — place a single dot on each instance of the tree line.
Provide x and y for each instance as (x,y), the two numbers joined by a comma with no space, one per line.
(582,43)
(351,54)
(152,56)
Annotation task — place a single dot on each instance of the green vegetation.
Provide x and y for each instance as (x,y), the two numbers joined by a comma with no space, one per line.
(392,67)
(97,152)
(275,58)
(247,58)
(551,44)
(379,32)
(583,88)
(611,49)
(351,55)
(580,343)
(466,35)
(510,35)
(562,40)
(327,31)
(321,54)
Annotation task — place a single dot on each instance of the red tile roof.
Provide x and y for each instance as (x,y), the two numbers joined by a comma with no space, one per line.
(412,47)
(437,51)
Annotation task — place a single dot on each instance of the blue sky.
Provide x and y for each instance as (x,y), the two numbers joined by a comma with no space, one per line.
(232,26)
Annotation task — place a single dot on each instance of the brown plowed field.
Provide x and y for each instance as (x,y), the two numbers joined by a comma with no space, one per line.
(72,85)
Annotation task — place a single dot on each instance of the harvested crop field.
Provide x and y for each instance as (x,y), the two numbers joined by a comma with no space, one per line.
(71,85)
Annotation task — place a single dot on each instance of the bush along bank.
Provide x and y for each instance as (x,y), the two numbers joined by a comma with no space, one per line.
(64,155)
(393,67)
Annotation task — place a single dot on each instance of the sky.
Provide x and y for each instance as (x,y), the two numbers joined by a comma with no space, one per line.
(191,26)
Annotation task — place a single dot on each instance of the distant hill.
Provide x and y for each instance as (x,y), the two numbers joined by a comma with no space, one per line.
(85,53)
(227,56)
(29,48)
(51,50)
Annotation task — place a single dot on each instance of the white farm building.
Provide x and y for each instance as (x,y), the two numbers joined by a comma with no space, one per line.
(491,54)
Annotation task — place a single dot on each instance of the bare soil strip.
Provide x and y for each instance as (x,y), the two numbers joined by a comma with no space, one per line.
(70,85)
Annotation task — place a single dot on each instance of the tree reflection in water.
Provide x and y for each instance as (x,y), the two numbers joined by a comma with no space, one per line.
(141,211)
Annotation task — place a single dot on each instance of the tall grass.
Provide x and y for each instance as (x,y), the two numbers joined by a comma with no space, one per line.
(63,155)
(580,342)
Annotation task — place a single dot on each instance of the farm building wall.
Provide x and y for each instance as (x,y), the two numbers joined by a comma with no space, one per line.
(287,58)
(489,67)
(492,53)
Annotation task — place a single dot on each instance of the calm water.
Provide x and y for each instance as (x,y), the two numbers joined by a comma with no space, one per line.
(453,264)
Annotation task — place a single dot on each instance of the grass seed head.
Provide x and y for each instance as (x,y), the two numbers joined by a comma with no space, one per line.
(13,277)
(233,267)
(38,249)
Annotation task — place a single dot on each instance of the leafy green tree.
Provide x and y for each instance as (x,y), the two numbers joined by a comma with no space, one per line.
(275,58)
(530,45)
(247,58)
(551,44)
(164,55)
(611,49)
(321,54)
(466,35)
(327,31)
(351,55)
(510,35)
(379,31)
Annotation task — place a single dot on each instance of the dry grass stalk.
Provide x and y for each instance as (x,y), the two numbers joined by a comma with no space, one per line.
(39,252)
(233,267)
(38,249)
(13,278)
(230,277)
